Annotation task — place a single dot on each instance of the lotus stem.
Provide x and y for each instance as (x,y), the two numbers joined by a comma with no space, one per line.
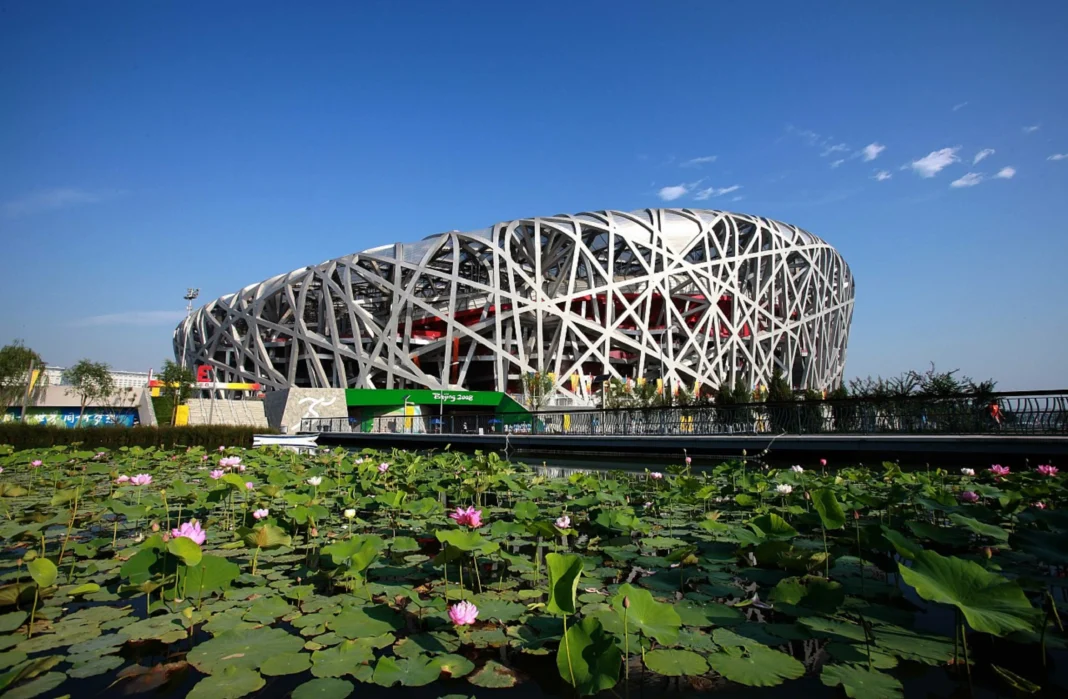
(33,612)
(567,651)
(826,553)
(964,643)
(255,555)
(66,537)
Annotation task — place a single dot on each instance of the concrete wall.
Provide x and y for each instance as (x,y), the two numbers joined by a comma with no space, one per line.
(285,409)
(226,412)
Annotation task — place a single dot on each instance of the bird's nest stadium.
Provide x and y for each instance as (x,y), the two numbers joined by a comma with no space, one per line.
(696,297)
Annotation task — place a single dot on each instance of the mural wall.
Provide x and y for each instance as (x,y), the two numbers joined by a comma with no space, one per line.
(68,417)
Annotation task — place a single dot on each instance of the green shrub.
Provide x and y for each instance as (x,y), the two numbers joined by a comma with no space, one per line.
(23,436)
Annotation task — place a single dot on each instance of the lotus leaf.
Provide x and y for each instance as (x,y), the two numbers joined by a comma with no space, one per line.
(564,571)
(36,687)
(587,658)
(229,683)
(493,675)
(409,672)
(656,620)
(675,663)
(861,683)
(830,511)
(242,648)
(324,688)
(990,603)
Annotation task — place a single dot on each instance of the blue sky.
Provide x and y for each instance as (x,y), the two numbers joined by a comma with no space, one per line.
(147,147)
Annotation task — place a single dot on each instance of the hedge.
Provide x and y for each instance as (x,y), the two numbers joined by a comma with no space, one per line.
(23,436)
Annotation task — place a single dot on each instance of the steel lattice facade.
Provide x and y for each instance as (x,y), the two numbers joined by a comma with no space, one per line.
(695,296)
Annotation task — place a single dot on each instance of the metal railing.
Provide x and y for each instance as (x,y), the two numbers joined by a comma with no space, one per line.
(1010,413)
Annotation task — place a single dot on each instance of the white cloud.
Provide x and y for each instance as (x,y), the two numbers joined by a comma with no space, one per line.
(969,180)
(872,151)
(704,159)
(1006,173)
(838,148)
(1058,156)
(1032,129)
(881,175)
(810,137)
(716,192)
(141,318)
(962,105)
(935,161)
(986,152)
(52,199)
(672,193)
(738,198)
(836,163)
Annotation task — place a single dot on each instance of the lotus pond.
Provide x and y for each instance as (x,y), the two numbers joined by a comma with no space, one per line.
(242,573)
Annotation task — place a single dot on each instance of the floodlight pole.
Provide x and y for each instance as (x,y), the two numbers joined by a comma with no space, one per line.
(190,295)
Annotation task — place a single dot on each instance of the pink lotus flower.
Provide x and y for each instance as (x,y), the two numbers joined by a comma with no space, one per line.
(249,485)
(122,479)
(469,517)
(1040,505)
(382,468)
(656,475)
(463,613)
(217,474)
(222,449)
(688,460)
(1047,470)
(100,455)
(969,496)
(359,460)
(191,530)
(563,522)
(230,461)
(261,513)
(999,470)
(36,463)
(205,457)
(141,479)
(823,462)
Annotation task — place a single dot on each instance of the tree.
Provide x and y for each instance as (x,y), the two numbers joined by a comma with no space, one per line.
(177,383)
(537,386)
(17,363)
(90,381)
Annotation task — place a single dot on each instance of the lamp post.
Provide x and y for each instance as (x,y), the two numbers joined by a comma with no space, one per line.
(404,410)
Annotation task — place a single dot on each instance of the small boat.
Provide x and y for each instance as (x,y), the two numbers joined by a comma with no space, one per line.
(304,441)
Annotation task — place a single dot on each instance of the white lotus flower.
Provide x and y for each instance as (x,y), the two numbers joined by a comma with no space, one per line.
(315,480)
(784,489)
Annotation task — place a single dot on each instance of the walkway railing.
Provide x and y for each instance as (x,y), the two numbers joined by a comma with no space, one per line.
(1011,413)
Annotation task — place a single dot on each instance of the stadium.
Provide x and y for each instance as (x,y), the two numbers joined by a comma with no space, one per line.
(692,297)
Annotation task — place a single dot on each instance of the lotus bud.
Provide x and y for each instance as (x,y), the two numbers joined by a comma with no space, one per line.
(626,602)
(314,531)
(856,514)
(166,537)
(155,526)
(988,552)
